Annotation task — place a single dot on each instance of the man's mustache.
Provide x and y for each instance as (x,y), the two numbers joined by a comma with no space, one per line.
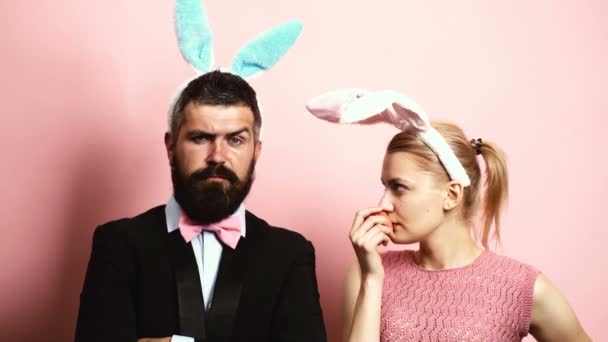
(215,170)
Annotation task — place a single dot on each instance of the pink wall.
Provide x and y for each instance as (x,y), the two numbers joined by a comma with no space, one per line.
(86,84)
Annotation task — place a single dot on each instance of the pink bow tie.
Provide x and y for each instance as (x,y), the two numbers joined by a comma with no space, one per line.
(228,230)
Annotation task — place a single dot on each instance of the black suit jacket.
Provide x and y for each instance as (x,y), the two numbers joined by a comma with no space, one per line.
(142,281)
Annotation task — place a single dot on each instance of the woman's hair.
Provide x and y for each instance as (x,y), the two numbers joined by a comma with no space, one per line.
(496,181)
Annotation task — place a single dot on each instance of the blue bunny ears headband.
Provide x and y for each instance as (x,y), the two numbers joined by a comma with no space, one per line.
(196,45)
(369,107)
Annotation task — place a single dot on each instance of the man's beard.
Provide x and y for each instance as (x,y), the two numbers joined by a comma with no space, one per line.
(205,201)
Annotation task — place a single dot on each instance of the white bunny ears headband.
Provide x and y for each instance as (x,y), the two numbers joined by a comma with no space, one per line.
(196,45)
(369,107)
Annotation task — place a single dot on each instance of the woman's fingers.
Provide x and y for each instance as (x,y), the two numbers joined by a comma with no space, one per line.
(361,215)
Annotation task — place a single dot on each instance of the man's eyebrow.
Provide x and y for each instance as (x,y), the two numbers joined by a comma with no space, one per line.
(242,130)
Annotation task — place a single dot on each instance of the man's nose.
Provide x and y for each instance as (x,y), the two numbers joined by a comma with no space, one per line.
(217,152)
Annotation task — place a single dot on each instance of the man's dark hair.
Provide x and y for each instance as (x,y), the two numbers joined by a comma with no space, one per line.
(216,88)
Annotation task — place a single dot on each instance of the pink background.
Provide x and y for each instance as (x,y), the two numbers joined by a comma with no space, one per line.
(86,85)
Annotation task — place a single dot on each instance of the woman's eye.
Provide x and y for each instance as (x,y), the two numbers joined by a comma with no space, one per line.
(399,188)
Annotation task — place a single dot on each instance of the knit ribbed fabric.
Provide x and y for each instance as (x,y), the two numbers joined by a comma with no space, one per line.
(487,300)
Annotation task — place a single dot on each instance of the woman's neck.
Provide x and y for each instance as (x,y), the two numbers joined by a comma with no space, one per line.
(449,246)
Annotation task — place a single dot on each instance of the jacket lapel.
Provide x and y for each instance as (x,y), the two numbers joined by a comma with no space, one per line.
(191,311)
(229,284)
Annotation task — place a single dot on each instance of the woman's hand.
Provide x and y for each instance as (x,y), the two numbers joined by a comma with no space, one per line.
(371,228)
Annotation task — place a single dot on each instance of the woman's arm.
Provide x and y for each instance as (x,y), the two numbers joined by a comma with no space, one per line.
(361,306)
(363,284)
(552,317)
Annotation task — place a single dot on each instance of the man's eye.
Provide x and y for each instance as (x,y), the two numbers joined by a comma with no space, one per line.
(236,141)
(200,138)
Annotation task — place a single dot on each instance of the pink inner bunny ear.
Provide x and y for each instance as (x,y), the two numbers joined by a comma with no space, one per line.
(361,106)
(371,108)
(409,112)
(331,105)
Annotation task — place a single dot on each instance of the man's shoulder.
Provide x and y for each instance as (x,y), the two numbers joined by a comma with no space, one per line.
(276,235)
(134,224)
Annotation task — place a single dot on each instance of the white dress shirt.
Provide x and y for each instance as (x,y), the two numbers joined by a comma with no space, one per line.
(207,251)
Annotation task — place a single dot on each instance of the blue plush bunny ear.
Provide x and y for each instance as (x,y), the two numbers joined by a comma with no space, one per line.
(193,34)
(263,52)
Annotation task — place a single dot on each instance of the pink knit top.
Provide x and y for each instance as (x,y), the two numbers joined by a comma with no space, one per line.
(488,300)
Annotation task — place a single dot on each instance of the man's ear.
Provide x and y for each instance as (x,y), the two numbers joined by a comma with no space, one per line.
(169,146)
(258,150)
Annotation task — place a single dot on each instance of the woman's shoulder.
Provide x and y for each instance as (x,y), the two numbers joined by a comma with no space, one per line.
(512,271)
(504,261)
